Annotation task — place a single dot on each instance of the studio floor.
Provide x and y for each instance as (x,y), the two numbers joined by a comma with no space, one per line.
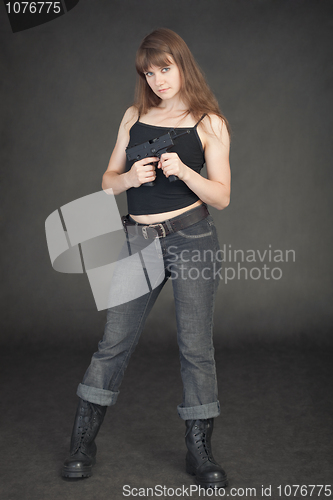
(274,432)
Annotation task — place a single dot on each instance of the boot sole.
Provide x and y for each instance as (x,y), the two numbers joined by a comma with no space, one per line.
(76,475)
(207,484)
(85,471)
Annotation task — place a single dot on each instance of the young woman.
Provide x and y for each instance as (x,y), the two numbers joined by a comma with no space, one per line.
(171,93)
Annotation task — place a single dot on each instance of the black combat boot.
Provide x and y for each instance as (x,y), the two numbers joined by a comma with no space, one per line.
(199,459)
(88,419)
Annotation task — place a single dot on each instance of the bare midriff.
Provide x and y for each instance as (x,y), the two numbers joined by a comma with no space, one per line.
(155,218)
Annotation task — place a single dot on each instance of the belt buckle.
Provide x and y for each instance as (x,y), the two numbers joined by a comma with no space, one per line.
(162,229)
(145,232)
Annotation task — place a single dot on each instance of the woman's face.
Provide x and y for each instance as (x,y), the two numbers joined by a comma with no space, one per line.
(165,82)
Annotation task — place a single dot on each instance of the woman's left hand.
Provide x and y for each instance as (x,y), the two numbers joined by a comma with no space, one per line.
(171,164)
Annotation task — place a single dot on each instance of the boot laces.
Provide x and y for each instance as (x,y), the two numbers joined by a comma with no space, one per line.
(201,435)
(83,428)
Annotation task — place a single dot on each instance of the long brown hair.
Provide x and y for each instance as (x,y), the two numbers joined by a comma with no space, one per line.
(155,50)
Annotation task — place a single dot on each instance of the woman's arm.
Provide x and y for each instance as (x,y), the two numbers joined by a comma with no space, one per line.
(115,176)
(215,190)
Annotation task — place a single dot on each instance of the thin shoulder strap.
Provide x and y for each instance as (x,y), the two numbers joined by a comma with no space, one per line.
(203,116)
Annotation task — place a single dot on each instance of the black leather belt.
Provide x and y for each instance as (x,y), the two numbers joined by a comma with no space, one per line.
(162,229)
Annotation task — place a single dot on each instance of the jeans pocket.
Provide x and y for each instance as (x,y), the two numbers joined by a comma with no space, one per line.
(200,229)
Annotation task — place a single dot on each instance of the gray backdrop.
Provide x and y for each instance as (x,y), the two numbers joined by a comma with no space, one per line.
(66,85)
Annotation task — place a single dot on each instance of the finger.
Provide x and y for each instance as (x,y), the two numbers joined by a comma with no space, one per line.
(148,168)
(151,159)
(167,156)
(147,177)
(147,161)
(166,164)
(166,172)
(170,171)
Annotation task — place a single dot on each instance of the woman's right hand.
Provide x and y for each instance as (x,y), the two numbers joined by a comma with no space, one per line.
(142,171)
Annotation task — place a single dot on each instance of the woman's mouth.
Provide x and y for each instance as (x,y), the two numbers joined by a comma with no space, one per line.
(163,90)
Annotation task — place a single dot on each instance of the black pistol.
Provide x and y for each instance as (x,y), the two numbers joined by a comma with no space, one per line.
(154,147)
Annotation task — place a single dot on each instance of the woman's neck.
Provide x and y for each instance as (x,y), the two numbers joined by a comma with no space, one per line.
(174,105)
(171,109)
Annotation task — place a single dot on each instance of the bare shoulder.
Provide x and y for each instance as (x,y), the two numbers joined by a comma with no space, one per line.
(215,125)
(213,129)
(130,117)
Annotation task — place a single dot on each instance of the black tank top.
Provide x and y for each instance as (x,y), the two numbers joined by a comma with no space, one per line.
(165,196)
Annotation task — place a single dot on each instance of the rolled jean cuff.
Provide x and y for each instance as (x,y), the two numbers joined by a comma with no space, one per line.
(210,410)
(100,397)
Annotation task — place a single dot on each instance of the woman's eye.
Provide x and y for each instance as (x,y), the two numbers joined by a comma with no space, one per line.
(165,70)
(149,73)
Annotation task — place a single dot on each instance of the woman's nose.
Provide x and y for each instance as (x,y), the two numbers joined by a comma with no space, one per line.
(159,79)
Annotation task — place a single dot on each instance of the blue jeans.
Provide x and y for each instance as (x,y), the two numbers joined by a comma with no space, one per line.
(190,262)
